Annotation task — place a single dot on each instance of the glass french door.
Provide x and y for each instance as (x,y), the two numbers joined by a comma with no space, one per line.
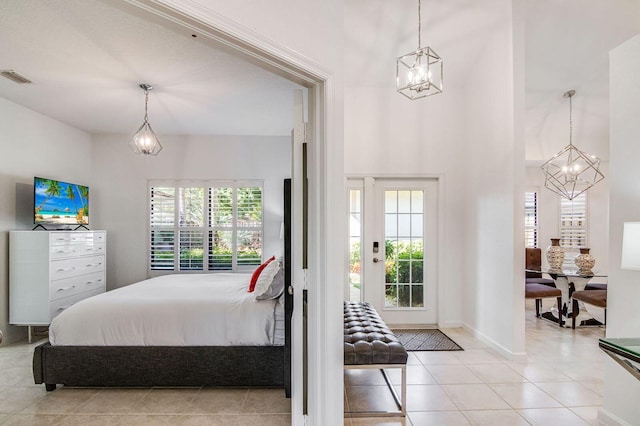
(393,236)
(404,248)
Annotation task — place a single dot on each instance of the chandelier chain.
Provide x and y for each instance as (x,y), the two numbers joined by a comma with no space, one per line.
(419,26)
(146,101)
(570,120)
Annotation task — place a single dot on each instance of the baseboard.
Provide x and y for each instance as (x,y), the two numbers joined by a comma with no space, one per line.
(450,324)
(513,356)
(607,418)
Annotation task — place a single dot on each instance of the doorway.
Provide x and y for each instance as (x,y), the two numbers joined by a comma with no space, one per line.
(393,248)
(323,192)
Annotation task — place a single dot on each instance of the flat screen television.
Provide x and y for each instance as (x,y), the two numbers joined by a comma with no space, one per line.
(60,203)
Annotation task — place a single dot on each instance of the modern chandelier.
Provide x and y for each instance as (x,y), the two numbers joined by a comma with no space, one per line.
(145,141)
(571,172)
(420,73)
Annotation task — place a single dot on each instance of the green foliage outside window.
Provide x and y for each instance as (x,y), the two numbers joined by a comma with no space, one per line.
(404,264)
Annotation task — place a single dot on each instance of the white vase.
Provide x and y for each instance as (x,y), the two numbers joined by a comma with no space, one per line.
(585,262)
(555,255)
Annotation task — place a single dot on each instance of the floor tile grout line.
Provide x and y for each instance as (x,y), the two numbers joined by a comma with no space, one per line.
(465,414)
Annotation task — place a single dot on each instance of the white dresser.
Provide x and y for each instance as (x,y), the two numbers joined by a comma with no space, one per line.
(51,270)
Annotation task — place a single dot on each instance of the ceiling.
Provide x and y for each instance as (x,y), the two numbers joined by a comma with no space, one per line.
(567,43)
(86,59)
(567,47)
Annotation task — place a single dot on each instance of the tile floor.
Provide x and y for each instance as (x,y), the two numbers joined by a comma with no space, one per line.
(23,403)
(560,383)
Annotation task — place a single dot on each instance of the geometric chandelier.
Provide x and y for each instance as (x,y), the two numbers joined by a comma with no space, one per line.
(420,73)
(145,141)
(571,171)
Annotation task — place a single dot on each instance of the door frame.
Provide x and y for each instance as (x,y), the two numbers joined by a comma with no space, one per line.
(326,190)
(369,203)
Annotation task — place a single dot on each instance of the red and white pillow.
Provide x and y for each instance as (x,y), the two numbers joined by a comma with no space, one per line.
(257,272)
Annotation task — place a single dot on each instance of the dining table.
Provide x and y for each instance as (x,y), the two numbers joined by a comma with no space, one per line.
(567,281)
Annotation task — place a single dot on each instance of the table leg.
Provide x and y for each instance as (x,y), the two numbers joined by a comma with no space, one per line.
(564,286)
(579,284)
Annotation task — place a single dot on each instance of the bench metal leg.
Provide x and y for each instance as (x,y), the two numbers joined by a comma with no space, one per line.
(401,402)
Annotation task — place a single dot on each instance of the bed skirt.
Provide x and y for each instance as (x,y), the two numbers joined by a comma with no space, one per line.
(148,366)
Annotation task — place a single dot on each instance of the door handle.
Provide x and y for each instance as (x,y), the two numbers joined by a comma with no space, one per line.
(376,260)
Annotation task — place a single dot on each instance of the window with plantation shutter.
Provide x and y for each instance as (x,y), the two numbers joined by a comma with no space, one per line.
(531,219)
(213,226)
(573,226)
(162,221)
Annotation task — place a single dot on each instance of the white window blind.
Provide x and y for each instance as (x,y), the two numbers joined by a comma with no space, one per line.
(162,222)
(531,219)
(573,226)
(205,227)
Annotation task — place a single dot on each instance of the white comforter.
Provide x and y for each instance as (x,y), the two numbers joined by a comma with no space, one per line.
(172,310)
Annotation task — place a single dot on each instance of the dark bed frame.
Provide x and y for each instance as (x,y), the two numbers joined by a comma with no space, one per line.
(148,366)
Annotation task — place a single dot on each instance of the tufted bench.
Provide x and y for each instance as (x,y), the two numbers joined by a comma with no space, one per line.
(370,344)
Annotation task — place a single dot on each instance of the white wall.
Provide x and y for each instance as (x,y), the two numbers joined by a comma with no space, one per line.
(31,145)
(465,135)
(494,173)
(389,135)
(597,216)
(622,391)
(119,201)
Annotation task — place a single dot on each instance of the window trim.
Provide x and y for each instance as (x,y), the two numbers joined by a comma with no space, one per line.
(207,185)
(536,227)
(358,185)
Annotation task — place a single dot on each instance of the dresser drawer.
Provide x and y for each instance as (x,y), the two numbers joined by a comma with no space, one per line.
(67,268)
(76,237)
(75,250)
(58,306)
(65,288)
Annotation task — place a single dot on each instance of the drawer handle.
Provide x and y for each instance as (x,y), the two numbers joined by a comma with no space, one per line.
(66,251)
(63,308)
(66,288)
(68,269)
(90,265)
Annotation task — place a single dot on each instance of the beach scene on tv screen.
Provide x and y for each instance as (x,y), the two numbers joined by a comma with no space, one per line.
(61,203)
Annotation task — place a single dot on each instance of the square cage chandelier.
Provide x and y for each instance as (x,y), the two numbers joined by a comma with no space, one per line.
(419,73)
(571,171)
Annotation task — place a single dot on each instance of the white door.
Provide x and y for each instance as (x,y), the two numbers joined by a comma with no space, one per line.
(393,252)
(299,383)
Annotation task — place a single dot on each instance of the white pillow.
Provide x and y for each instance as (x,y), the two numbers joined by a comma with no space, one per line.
(267,285)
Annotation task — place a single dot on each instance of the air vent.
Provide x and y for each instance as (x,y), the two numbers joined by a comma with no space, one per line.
(15,77)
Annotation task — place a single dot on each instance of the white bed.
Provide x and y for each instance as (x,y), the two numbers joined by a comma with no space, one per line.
(173,310)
